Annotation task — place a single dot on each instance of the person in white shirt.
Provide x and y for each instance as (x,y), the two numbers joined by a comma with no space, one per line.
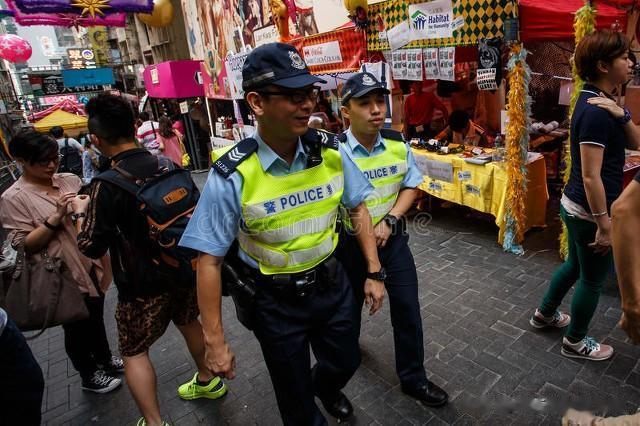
(58,133)
(147,134)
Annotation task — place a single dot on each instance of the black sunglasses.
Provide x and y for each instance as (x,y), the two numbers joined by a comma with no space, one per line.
(296,97)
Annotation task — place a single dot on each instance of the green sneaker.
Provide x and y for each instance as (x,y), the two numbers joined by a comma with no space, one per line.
(192,390)
(143,422)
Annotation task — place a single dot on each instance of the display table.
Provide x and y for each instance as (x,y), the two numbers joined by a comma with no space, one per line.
(483,187)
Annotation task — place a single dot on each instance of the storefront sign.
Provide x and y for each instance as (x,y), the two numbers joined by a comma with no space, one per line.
(155,78)
(234,65)
(431,69)
(322,54)
(447,63)
(52,100)
(268,34)
(399,35)
(81,58)
(431,20)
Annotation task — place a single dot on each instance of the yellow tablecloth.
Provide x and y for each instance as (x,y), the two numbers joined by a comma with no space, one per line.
(484,187)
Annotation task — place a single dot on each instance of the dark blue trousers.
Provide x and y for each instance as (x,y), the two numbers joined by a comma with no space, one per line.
(402,291)
(287,327)
(21,381)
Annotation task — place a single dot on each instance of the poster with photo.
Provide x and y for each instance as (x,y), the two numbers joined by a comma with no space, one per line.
(431,69)
(399,61)
(447,63)
(414,64)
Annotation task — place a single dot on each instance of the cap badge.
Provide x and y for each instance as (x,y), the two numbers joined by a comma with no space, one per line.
(296,61)
(367,81)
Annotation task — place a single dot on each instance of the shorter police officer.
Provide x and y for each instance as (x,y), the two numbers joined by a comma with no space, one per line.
(389,165)
(278,194)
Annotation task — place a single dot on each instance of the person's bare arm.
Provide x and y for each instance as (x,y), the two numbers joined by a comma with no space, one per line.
(625,221)
(39,238)
(219,358)
(363,228)
(591,156)
(405,200)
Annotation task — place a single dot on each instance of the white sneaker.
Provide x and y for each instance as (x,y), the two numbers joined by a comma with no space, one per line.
(558,320)
(587,348)
(101,383)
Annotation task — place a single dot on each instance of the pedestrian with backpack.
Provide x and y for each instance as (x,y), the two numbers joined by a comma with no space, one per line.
(138,210)
(70,152)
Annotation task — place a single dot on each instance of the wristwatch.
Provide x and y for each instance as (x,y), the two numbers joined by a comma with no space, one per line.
(626,117)
(381,275)
(390,220)
(76,216)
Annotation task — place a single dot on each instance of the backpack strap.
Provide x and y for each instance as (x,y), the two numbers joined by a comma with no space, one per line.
(391,134)
(230,160)
(118,179)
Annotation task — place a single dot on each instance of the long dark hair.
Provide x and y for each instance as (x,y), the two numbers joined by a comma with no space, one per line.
(165,130)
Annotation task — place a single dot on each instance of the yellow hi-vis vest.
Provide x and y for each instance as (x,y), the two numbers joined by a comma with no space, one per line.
(289,222)
(386,173)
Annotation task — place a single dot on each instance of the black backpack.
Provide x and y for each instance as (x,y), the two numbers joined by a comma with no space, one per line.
(167,201)
(71,161)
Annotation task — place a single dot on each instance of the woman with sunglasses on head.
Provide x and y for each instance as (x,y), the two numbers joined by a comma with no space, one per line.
(35,211)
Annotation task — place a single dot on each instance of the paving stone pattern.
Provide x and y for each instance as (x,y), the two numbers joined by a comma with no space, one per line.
(476,302)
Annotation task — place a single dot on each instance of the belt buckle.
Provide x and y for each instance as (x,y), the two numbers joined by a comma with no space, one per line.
(304,282)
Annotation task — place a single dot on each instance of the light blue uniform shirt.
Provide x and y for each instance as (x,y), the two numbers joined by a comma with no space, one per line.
(217,217)
(412,178)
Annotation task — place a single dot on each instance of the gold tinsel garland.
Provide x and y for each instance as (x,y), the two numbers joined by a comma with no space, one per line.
(517,141)
(583,24)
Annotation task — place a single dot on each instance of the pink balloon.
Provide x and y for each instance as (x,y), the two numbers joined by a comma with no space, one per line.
(14,48)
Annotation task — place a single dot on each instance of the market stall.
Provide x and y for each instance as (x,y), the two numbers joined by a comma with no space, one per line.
(72,124)
(484,187)
(180,81)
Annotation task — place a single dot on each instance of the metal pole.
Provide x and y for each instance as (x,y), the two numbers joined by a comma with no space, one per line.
(206,102)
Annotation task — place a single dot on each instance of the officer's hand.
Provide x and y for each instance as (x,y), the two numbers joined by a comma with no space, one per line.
(373,295)
(382,232)
(220,360)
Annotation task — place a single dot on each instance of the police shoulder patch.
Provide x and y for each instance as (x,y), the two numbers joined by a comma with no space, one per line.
(230,160)
(326,139)
(391,134)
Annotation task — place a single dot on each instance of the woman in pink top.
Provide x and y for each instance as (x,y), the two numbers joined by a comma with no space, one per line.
(169,138)
(35,212)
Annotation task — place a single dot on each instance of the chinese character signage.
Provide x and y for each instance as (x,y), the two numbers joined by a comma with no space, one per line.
(80,59)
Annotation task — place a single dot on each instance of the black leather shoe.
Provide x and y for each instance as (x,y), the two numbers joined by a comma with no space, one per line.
(429,394)
(340,407)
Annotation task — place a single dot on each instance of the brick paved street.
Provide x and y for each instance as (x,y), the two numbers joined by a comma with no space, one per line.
(476,302)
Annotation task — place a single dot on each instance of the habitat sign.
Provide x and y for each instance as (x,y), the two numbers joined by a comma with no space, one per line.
(431,20)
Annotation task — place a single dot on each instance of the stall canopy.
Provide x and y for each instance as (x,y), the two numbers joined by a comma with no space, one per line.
(542,20)
(174,80)
(66,120)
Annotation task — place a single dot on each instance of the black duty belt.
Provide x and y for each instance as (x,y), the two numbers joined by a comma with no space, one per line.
(299,284)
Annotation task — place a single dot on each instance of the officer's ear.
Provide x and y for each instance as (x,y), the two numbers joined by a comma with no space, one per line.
(256,103)
(344,109)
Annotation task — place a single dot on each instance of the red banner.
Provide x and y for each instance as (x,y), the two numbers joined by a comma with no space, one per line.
(333,52)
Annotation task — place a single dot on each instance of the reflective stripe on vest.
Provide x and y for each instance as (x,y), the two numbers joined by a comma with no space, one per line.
(386,172)
(289,221)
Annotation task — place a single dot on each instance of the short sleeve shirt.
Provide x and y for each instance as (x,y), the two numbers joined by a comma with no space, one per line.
(593,125)
(217,217)
(412,178)
(71,142)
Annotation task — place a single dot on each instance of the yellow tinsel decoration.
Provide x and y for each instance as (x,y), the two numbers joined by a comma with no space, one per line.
(517,129)
(584,23)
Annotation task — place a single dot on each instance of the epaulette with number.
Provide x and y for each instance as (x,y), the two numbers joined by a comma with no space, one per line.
(230,160)
(391,134)
(342,137)
(326,139)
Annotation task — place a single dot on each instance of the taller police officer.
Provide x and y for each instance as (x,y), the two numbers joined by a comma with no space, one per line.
(389,165)
(278,193)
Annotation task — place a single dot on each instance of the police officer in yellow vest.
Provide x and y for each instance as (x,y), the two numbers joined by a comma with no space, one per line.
(278,194)
(389,165)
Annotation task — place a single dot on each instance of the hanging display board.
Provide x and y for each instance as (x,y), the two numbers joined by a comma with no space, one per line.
(481,18)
